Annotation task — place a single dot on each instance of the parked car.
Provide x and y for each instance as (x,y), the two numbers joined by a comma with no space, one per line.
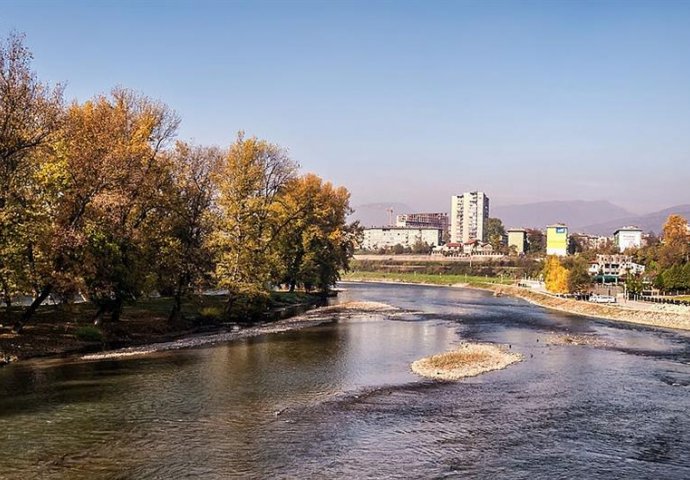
(602,299)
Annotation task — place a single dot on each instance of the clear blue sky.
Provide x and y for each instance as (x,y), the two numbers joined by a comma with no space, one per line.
(406,101)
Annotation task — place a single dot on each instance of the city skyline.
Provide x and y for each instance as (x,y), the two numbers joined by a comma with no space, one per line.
(530,101)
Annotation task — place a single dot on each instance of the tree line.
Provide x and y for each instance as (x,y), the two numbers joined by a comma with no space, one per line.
(668,259)
(98,199)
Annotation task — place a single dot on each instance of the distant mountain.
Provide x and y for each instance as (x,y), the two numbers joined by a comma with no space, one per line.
(572,213)
(376,214)
(650,222)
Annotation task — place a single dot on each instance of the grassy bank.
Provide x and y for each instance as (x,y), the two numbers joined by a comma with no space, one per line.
(422,278)
(62,329)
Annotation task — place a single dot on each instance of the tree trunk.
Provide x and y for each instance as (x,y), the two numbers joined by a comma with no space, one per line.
(117,309)
(176,313)
(6,295)
(29,312)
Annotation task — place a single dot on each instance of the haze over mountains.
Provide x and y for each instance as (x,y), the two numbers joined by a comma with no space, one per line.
(653,222)
(593,217)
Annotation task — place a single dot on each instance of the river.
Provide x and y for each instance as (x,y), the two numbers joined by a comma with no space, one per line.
(339,401)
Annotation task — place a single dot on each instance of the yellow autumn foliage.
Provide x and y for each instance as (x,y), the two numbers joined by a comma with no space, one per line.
(555,275)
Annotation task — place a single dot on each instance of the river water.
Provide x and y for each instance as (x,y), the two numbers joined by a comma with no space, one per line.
(339,401)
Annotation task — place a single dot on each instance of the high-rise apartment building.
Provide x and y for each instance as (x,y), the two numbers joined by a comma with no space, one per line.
(469,213)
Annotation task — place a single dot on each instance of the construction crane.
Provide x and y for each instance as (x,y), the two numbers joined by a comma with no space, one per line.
(390,216)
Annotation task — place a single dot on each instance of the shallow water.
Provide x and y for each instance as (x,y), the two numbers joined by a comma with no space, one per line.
(339,401)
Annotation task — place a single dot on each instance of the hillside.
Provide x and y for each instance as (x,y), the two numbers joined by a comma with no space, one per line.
(650,222)
(572,213)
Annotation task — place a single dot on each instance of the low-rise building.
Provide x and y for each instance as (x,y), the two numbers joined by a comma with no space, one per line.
(517,237)
(466,249)
(557,240)
(628,237)
(614,267)
(385,237)
(592,242)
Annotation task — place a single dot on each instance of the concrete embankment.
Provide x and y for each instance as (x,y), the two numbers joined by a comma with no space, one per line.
(616,312)
(468,361)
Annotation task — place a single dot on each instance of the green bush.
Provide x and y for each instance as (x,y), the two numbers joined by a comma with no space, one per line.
(89,333)
(248,303)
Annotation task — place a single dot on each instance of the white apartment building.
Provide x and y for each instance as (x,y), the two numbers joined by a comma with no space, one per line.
(375,238)
(469,213)
(627,237)
(615,266)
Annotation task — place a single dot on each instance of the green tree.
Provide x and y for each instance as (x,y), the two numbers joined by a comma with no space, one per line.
(673,278)
(579,279)
(495,233)
(634,284)
(536,241)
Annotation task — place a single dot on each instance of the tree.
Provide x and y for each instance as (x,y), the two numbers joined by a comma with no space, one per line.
(184,254)
(576,244)
(634,284)
(315,243)
(249,181)
(675,247)
(495,233)
(536,241)
(111,173)
(673,278)
(555,275)
(30,115)
(579,279)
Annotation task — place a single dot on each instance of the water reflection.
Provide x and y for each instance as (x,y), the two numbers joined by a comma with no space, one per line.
(339,401)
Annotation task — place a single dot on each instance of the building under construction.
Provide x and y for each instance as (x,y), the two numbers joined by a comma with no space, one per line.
(424,220)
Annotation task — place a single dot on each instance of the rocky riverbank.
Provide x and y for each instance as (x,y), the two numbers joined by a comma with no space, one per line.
(33,346)
(468,361)
(654,315)
(309,319)
(617,312)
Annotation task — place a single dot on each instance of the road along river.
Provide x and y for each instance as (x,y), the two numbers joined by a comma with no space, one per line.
(591,399)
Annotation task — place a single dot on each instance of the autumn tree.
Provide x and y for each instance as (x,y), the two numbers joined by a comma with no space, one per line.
(30,115)
(110,173)
(675,246)
(249,181)
(184,254)
(555,275)
(316,242)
